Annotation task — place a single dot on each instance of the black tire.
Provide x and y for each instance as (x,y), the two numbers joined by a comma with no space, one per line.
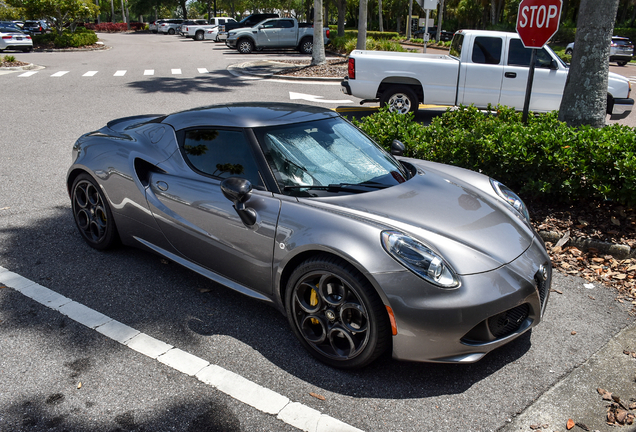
(621,63)
(92,213)
(336,314)
(198,36)
(171,31)
(568,52)
(400,98)
(610,104)
(245,46)
(306,45)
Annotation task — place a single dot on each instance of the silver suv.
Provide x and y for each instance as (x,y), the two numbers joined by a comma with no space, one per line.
(621,50)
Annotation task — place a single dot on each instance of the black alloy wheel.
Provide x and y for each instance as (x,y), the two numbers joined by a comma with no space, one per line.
(92,214)
(336,314)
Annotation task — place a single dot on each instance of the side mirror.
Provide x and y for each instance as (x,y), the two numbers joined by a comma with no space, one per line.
(239,191)
(397,148)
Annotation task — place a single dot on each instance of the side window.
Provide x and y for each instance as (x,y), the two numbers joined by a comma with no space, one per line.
(221,153)
(456,45)
(520,56)
(487,50)
(286,24)
(270,24)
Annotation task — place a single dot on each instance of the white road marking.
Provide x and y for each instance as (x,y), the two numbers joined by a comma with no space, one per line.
(28,74)
(149,72)
(176,71)
(203,70)
(90,73)
(59,74)
(120,73)
(263,399)
(314,98)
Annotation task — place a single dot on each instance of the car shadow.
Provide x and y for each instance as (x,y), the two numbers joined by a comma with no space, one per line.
(190,312)
(208,83)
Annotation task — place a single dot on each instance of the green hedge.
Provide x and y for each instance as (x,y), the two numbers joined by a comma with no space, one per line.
(81,37)
(544,159)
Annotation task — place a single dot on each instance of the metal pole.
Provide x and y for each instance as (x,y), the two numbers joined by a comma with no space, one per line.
(526,103)
(426,30)
(408,24)
(439,20)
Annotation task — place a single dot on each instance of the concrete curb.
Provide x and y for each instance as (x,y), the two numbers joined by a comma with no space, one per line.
(270,68)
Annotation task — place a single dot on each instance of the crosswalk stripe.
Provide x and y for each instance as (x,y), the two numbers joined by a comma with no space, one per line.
(176,71)
(202,70)
(120,73)
(90,73)
(28,74)
(59,74)
(149,72)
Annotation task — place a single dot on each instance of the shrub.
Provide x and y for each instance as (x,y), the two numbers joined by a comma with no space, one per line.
(543,159)
(347,43)
(8,59)
(81,37)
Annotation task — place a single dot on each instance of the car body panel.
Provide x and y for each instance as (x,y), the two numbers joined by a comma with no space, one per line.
(162,204)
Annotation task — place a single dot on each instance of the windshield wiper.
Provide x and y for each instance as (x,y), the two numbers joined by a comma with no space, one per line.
(336,187)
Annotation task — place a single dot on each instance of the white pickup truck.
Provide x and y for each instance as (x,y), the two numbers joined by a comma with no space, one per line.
(274,33)
(197,32)
(483,67)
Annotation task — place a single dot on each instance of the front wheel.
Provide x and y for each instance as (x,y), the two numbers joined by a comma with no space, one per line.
(336,314)
(92,214)
(568,52)
(245,46)
(400,99)
(306,46)
(171,32)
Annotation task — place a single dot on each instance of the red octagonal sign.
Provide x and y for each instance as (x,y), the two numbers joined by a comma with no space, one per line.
(538,21)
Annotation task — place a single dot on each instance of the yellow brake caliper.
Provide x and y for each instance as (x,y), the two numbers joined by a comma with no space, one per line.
(313,301)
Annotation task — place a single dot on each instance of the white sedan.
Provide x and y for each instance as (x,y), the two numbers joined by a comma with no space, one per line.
(215,35)
(12,39)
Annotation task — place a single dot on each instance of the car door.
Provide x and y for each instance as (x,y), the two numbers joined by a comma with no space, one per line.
(480,78)
(288,33)
(267,33)
(548,83)
(200,222)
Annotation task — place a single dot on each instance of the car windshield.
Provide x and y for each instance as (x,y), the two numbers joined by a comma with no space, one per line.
(327,156)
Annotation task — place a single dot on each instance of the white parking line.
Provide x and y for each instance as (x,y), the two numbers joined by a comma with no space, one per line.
(59,74)
(90,73)
(120,73)
(202,70)
(149,72)
(230,383)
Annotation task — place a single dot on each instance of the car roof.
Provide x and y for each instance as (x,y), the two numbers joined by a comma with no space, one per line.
(248,114)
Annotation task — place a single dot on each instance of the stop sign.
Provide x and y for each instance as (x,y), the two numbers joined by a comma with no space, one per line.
(538,21)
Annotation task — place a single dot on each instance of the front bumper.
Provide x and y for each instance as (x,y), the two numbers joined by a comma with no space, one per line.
(622,106)
(231,43)
(461,326)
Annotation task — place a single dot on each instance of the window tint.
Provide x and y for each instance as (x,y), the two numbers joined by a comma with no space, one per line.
(487,50)
(520,55)
(286,24)
(456,45)
(221,153)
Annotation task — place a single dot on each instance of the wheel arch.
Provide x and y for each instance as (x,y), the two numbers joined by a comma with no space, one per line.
(413,83)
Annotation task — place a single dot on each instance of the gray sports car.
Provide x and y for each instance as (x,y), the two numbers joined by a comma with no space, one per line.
(363,251)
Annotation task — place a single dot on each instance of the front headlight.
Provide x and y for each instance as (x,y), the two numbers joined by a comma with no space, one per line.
(419,259)
(511,198)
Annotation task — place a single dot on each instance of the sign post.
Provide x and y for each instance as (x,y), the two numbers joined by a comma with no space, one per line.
(427,5)
(537,22)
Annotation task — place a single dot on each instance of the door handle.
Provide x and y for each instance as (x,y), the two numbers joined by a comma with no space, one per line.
(162,185)
(510,75)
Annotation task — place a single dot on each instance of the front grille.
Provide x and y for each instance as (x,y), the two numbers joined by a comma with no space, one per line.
(506,323)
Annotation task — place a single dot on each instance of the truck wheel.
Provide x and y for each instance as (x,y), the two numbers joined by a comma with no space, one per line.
(401,99)
(245,46)
(198,36)
(621,63)
(568,52)
(306,46)
(610,104)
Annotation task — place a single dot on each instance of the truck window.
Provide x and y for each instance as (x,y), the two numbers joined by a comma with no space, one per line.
(286,24)
(520,56)
(487,50)
(456,45)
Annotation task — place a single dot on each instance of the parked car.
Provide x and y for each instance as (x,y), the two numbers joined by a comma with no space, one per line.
(248,21)
(11,24)
(483,68)
(13,39)
(197,32)
(169,26)
(275,33)
(215,34)
(292,205)
(621,50)
(432,32)
(154,26)
(180,27)
(36,27)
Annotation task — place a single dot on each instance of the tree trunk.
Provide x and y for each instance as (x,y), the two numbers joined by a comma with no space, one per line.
(585,95)
(362,26)
(380,15)
(318,51)
(342,14)
(440,15)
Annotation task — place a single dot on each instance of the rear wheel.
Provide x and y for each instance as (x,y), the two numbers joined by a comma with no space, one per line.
(568,52)
(621,63)
(401,99)
(336,314)
(306,46)
(245,46)
(198,36)
(171,31)
(92,213)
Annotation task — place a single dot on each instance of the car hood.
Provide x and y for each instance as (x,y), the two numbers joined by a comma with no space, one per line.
(472,229)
